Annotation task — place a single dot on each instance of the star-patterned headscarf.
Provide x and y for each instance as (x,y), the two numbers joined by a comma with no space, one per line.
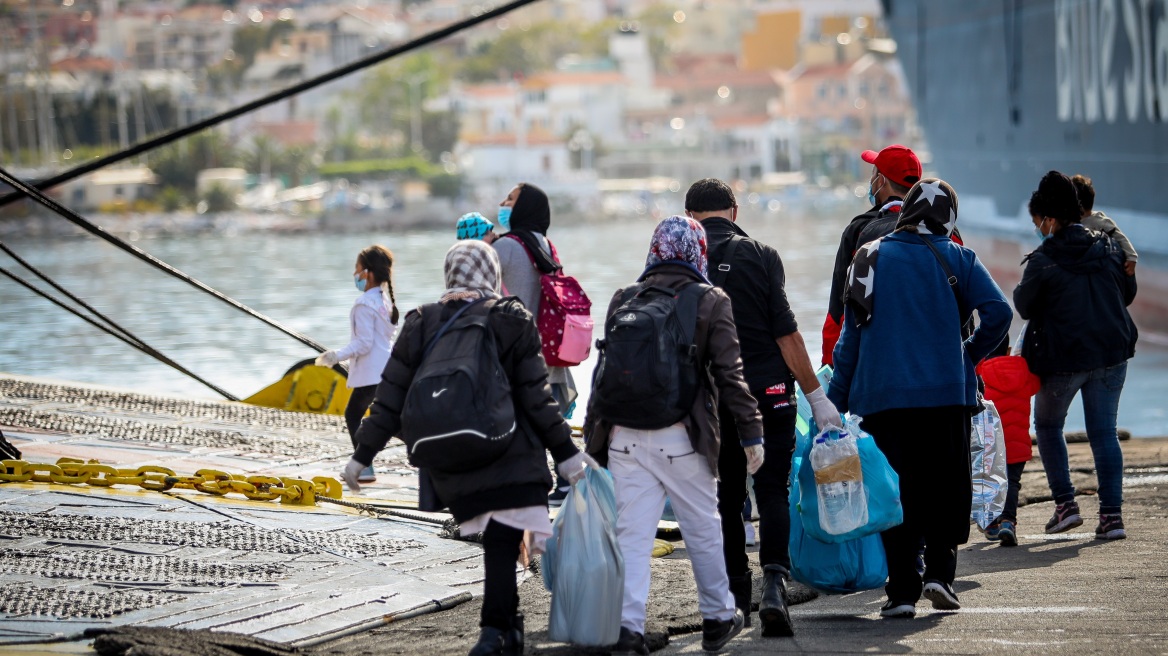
(930,208)
(678,240)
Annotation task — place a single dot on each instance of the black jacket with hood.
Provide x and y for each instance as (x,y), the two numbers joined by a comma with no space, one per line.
(519,478)
(849,242)
(1075,293)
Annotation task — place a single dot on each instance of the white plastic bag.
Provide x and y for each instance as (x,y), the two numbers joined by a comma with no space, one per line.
(987,449)
(839,482)
(583,567)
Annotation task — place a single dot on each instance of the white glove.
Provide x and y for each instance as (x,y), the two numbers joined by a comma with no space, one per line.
(572,469)
(825,413)
(327,359)
(350,472)
(754,457)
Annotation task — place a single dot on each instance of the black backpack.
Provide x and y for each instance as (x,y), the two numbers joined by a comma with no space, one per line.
(648,375)
(458,412)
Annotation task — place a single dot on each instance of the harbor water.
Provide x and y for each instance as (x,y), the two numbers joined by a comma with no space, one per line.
(304,281)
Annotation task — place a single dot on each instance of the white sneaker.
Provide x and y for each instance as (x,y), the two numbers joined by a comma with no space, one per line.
(941,595)
(750,537)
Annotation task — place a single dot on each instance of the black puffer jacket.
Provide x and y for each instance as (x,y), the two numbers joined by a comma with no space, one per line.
(1075,294)
(521,477)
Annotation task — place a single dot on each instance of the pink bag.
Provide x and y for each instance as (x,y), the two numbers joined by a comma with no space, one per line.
(565,320)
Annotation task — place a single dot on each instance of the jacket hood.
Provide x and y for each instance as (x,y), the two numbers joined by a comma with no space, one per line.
(1010,374)
(671,272)
(1078,249)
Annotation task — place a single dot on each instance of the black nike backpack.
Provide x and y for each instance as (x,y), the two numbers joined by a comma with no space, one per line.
(648,374)
(458,413)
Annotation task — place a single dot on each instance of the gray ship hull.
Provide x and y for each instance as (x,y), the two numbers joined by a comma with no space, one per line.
(1006,91)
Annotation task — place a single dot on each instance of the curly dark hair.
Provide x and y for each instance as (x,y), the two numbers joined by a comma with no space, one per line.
(1056,198)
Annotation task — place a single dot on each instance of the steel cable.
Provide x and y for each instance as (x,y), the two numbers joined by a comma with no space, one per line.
(263,101)
(127,337)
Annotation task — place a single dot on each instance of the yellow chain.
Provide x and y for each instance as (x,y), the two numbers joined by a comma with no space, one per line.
(71,471)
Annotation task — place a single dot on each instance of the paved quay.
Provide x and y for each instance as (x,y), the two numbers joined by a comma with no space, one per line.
(1052,594)
(329,570)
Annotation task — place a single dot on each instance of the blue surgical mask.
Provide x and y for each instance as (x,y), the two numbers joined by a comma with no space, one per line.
(504,217)
(871,194)
(1042,236)
(359,281)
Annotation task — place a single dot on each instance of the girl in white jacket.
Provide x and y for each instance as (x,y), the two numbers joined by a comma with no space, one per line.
(372,323)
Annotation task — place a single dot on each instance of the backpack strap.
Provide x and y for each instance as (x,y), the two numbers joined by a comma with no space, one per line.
(949,277)
(446,326)
(531,256)
(688,299)
(718,273)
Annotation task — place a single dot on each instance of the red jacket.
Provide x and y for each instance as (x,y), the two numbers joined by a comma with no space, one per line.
(1009,384)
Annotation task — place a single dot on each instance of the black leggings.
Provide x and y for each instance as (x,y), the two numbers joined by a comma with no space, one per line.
(359,400)
(1014,477)
(500,590)
(770,490)
(929,449)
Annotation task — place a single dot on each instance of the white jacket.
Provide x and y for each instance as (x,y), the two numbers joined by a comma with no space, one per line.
(370,339)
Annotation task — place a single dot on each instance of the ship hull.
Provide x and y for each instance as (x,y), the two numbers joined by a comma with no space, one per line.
(1007,91)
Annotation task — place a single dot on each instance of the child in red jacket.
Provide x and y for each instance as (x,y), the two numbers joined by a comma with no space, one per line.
(1010,385)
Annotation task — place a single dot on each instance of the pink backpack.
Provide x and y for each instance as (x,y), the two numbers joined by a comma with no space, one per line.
(565,319)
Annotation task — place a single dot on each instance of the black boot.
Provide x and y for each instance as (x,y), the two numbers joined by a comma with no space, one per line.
(491,641)
(513,641)
(741,588)
(772,610)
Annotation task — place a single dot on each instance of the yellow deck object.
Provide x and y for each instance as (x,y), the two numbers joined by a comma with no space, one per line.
(306,388)
(661,548)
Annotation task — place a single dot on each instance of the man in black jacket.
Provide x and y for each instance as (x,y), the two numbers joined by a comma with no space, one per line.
(894,170)
(773,357)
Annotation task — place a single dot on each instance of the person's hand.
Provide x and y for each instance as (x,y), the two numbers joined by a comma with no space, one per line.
(327,359)
(825,413)
(754,458)
(350,472)
(1130,267)
(572,469)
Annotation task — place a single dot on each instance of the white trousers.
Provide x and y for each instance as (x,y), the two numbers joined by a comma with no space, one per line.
(646,466)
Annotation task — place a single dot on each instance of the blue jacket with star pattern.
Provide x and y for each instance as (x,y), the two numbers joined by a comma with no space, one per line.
(910,354)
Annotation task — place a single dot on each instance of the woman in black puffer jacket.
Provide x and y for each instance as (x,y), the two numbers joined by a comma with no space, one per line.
(1075,293)
(508,496)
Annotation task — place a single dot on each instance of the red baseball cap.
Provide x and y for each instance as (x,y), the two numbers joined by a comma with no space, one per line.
(897,163)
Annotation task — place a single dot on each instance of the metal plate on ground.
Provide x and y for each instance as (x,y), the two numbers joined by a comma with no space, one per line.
(74,557)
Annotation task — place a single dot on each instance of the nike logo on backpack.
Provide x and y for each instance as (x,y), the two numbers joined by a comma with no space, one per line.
(438,393)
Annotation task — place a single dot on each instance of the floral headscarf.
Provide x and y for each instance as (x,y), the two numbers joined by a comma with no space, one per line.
(472,271)
(679,240)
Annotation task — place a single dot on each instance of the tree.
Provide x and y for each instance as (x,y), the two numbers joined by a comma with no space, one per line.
(219,199)
(178,164)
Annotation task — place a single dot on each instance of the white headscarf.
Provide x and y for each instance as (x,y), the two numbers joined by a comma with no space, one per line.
(472,271)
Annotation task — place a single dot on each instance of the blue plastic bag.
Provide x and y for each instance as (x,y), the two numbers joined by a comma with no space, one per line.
(881,484)
(839,567)
(833,567)
(583,567)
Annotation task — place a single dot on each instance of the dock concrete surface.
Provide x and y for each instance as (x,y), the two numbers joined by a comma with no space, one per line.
(1053,594)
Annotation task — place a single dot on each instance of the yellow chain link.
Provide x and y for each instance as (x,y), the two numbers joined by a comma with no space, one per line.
(71,471)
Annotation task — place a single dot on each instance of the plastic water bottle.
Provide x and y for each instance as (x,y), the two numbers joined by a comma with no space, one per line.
(843,504)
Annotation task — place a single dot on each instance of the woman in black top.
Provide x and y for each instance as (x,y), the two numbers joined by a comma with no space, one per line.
(1075,293)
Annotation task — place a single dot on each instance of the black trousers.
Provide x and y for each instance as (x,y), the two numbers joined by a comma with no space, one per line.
(770,490)
(1014,476)
(359,401)
(500,590)
(929,449)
